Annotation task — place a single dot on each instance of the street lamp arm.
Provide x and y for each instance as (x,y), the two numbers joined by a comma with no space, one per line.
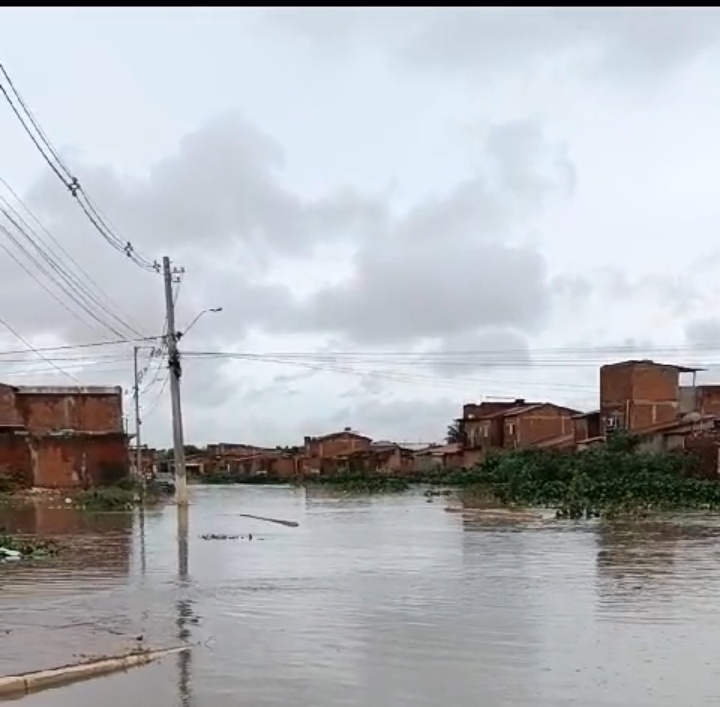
(180,334)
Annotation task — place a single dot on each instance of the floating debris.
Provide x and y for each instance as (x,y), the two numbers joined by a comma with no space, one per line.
(287,523)
(216,536)
(18,548)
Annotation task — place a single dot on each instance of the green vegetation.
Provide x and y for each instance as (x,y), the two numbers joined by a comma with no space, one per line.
(454,433)
(10,482)
(362,483)
(123,495)
(614,479)
(29,547)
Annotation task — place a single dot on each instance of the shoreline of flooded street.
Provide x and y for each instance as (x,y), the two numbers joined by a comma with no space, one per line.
(383,600)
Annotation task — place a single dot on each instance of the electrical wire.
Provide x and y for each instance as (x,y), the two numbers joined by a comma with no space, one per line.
(55,274)
(51,156)
(151,407)
(88,345)
(401,377)
(73,272)
(30,347)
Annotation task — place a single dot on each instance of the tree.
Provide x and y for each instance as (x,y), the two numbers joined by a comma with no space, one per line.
(454,433)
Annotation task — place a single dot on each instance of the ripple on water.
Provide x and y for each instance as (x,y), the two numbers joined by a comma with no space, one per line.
(381,601)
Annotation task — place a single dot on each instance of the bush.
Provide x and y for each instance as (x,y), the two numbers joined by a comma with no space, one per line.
(602,481)
(124,495)
(109,498)
(10,481)
(364,483)
(29,546)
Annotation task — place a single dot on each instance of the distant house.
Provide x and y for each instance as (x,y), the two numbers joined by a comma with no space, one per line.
(335,444)
(513,425)
(439,456)
(638,394)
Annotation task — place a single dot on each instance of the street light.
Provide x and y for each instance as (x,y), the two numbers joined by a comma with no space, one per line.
(214,310)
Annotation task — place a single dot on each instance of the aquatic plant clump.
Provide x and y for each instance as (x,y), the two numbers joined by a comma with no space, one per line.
(27,547)
(124,495)
(604,481)
(358,483)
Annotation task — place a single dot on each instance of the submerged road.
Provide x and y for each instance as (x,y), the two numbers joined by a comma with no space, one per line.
(370,602)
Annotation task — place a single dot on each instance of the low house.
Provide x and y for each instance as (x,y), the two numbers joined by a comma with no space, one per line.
(63,436)
(636,395)
(330,446)
(437,457)
(512,425)
(527,425)
(380,458)
(586,426)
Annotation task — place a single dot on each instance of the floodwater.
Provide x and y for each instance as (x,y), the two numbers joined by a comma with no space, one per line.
(370,602)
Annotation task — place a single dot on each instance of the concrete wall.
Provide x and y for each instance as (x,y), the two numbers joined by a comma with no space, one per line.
(50,412)
(483,433)
(15,456)
(707,399)
(78,460)
(586,427)
(8,412)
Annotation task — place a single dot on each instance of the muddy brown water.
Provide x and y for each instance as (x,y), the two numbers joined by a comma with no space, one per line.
(370,602)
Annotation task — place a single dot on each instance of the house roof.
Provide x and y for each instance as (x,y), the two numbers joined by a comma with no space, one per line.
(441,449)
(67,390)
(650,362)
(677,426)
(343,433)
(522,409)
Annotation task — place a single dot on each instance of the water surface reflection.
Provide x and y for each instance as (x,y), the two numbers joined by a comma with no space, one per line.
(382,601)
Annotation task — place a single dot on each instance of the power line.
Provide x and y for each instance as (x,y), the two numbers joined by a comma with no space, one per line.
(89,345)
(20,338)
(53,271)
(83,280)
(34,130)
(399,376)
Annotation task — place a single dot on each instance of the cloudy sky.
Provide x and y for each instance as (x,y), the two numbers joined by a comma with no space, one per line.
(398,210)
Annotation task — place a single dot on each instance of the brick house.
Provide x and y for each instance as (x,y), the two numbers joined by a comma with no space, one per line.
(704,399)
(512,425)
(586,426)
(636,395)
(332,445)
(379,458)
(63,437)
(437,457)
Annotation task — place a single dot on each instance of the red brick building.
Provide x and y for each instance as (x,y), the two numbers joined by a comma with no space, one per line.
(378,458)
(512,425)
(63,437)
(636,395)
(333,445)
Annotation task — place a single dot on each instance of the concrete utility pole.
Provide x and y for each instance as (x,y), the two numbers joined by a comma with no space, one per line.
(181,492)
(138,448)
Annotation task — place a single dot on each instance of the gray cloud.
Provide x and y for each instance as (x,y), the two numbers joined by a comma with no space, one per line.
(218,205)
(480,351)
(620,42)
(701,333)
(450,265)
